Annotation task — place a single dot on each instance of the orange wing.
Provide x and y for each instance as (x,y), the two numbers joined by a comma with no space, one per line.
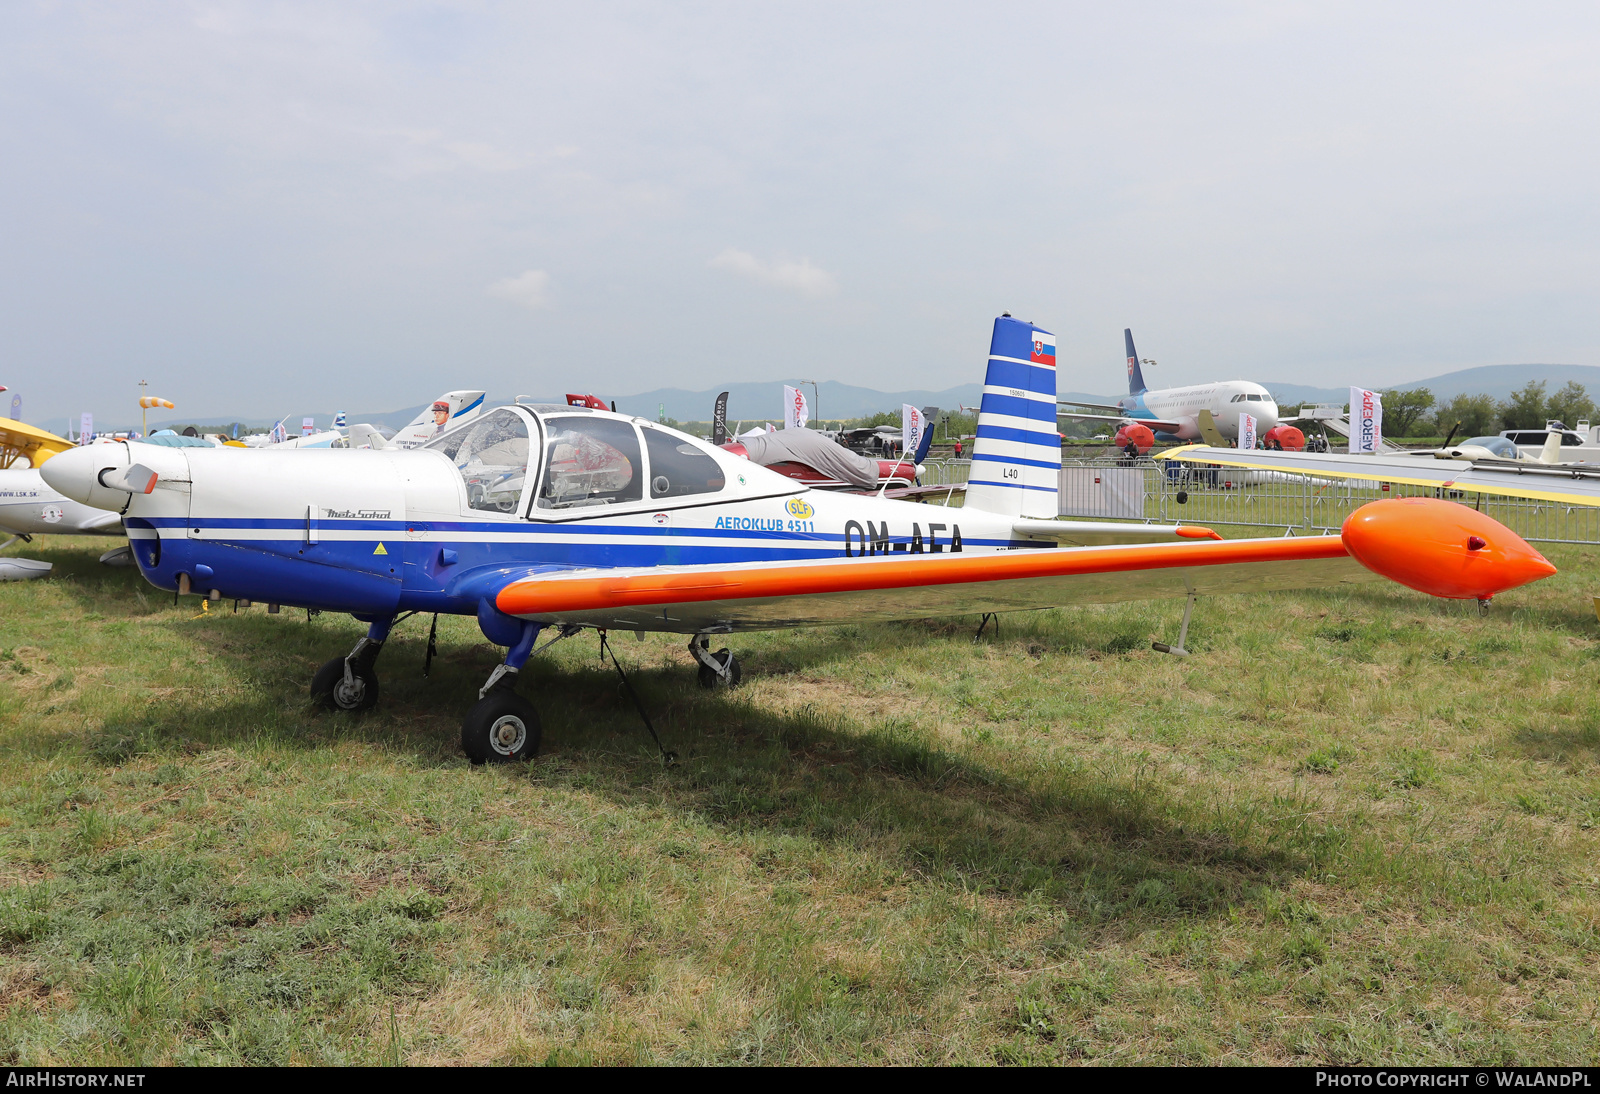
(758,596)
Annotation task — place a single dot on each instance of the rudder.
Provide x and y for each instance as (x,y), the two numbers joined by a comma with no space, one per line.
(1016,456)
(1136,385)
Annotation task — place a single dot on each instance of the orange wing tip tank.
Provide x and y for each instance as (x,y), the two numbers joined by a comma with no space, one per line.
(1195,531)
(1441,548)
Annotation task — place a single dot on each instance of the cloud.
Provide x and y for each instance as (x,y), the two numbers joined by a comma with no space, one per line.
(795,275)
(529,289)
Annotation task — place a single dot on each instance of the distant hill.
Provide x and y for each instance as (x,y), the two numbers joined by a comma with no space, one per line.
(1496,380)
(753,401)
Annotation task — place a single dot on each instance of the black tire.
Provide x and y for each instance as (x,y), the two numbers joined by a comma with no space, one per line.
(711,679)
(501,727)
(329,690)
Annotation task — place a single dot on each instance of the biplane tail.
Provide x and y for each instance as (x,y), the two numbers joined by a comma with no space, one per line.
(1016,457)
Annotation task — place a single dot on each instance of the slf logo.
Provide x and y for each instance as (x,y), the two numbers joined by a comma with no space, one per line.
(799,507)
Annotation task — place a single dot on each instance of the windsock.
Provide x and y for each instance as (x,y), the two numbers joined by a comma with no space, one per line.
(151,401)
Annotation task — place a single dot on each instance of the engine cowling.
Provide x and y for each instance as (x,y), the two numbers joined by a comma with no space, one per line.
(1284,438)
(1137,435)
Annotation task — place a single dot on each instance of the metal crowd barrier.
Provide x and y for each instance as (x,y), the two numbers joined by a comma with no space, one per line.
(1159,492)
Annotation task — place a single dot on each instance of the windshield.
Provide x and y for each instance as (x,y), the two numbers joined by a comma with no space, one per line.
(492,458)
(1498,445)
(590,461)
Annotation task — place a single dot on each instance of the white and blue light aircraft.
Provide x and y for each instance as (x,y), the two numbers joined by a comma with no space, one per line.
(549,516)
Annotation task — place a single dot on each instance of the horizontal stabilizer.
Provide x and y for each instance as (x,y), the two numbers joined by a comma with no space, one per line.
(1101,533)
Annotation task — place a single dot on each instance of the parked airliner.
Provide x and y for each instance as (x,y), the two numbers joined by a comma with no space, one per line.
(1173,413)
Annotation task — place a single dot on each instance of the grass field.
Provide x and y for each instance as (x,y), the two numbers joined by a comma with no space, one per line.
(1354,827)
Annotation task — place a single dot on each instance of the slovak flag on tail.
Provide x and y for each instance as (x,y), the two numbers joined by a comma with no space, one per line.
(1016,457)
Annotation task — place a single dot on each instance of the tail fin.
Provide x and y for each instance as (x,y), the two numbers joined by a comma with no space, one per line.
(1551,452)
(1136,385)
(1016,457)
(455,408)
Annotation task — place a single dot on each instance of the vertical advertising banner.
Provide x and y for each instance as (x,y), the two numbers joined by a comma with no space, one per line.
(795,411)
(1366,421)
(308,426)
(1247,431)
(913,423)
(16,408)
(719,421)
(86,428)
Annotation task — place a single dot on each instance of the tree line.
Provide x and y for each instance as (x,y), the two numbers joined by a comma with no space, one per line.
(1416,413)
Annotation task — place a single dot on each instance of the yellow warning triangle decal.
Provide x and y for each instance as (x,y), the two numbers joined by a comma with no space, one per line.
(380,550)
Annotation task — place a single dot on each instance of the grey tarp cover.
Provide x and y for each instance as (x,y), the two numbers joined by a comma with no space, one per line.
(811,448)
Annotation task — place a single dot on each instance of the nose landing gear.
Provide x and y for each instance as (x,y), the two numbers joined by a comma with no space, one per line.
(502,726)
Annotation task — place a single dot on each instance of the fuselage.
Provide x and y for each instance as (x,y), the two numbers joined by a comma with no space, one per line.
(519,489)
(1225,400)
(28,506)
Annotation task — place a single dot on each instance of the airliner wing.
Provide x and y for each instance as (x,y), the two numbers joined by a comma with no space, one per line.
(1113,407)
(1568,484)
(1154,424)
(761,596)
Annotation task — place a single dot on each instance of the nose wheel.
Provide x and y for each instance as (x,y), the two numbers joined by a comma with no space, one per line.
(500,728)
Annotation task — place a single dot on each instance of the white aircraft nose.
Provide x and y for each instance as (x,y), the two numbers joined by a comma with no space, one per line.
(76,473)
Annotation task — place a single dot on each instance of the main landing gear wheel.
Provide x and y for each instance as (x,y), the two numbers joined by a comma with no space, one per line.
(710,678)
(330,689)
(500,728)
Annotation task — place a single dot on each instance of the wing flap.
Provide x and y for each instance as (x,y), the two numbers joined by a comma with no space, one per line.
(757,596)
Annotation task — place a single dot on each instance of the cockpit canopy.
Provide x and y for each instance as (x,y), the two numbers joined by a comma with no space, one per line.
(1500,446)
(588,460)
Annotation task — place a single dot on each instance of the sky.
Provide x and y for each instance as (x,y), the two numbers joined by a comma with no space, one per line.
(263,205)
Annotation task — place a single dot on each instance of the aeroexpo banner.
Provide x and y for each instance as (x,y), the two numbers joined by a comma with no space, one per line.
(308,426)
(1366,421)
(912,425)
(1247,431)
(86,428)
(795,411)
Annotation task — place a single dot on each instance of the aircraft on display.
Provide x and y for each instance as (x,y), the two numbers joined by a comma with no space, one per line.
(29,507)
(550,516)
(1175,413)
(815,459)
(449,410)
(1495,473)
